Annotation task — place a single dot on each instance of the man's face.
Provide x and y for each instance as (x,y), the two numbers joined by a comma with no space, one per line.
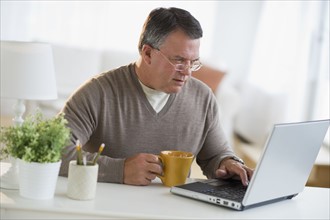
(177,48)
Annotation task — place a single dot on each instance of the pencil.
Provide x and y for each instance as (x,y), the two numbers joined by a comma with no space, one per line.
(98,153)
(79,154)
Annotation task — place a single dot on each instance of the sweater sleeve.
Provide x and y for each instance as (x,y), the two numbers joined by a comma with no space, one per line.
(216,146)
(82,112)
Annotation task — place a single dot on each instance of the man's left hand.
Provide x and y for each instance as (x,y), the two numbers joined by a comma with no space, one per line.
(230,168)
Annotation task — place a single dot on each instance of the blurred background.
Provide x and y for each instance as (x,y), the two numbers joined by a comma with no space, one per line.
(275,54)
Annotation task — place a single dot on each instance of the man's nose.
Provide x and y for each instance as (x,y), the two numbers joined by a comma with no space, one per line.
(187,69)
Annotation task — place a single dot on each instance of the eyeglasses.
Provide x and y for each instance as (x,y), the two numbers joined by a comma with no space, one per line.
(196,65)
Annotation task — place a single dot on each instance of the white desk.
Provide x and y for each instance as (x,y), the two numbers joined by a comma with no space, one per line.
(155,202)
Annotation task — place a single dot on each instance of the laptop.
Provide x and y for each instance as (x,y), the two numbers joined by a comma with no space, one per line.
(281,173)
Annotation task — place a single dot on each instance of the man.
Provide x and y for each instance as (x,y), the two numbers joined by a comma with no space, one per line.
(152,105)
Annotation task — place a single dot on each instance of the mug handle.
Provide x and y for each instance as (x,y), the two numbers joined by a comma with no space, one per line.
(161,177)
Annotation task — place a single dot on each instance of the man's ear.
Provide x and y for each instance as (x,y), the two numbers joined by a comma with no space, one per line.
(146,53)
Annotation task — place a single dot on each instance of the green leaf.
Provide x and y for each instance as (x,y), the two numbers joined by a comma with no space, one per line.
(37,139)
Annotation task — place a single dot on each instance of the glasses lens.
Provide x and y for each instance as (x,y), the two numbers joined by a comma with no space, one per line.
(180,67)
(195,66)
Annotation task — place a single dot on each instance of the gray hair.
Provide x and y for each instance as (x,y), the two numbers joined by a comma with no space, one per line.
(162,21)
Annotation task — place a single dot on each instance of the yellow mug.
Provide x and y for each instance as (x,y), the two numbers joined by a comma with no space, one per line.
(176,167)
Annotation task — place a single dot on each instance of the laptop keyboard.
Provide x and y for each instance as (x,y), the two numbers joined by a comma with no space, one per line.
(232,191)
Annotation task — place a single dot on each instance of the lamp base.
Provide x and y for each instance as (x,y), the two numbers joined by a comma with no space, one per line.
(9,175)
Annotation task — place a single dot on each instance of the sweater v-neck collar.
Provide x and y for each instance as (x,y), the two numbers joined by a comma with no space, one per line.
(144,98)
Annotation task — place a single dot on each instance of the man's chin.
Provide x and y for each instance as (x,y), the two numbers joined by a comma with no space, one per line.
(174,90)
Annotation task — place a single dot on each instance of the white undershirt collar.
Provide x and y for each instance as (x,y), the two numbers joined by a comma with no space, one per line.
(157,99)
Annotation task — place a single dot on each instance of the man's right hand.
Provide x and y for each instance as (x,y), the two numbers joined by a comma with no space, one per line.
(141,169)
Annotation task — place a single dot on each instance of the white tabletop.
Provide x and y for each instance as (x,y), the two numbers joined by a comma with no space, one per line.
(155,202)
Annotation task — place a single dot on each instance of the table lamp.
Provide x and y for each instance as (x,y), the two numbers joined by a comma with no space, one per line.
(27,73)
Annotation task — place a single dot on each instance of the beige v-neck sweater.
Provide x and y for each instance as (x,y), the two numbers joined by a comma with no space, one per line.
(112,109)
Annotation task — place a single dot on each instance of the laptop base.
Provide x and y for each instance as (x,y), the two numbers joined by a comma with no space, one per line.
(185,191)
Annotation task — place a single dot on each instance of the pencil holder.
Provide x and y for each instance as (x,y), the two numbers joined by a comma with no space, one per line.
(82,181)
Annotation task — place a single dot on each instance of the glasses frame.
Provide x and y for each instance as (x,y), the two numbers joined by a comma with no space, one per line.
(196,65)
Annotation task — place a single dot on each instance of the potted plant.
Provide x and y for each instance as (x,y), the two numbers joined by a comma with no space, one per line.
(38,145)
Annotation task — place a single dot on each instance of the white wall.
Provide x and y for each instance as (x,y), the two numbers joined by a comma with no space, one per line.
(236,24)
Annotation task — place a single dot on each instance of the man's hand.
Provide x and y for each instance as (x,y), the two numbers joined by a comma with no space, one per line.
(141,169)
(230,168)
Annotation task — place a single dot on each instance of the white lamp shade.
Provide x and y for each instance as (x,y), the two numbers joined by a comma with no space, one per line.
(27,71)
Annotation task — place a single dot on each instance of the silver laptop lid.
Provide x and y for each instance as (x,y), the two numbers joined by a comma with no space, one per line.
(287,160)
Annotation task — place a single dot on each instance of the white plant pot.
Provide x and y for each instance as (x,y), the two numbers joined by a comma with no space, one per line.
(38,180)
